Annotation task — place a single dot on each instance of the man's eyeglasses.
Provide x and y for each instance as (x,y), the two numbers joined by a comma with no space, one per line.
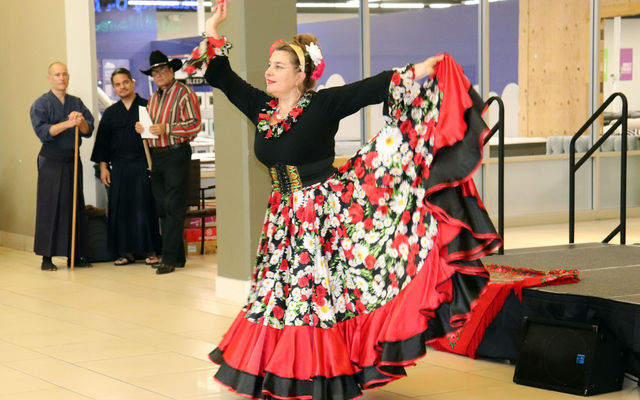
(159,70)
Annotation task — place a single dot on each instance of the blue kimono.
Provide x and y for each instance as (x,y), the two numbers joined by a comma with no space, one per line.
(55,178)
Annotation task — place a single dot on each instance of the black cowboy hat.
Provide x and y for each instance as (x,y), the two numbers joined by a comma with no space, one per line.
(158,59)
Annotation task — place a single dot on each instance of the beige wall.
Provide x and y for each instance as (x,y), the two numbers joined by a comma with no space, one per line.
(242,183)
(33,34)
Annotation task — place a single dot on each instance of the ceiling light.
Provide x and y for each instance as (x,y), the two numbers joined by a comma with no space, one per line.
(475,2)
(170,3)
(440,5)
(401,5)
(348,4)
(153,3)
(356,4)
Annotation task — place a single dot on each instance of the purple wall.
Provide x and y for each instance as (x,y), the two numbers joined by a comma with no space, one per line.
(411,36)
(126,35)
(396,39)
(503,44)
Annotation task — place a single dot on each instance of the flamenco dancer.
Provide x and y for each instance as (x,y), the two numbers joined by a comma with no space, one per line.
(357,268)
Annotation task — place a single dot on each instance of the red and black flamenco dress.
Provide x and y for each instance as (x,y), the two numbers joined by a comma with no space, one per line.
(359,268)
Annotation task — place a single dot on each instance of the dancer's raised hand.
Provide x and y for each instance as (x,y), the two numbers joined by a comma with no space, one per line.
(218,15)
(425,68)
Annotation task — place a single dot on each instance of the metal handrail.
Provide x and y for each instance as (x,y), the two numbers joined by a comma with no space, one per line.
(499,127)
(573,167)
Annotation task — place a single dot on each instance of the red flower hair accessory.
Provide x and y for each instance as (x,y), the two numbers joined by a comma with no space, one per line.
(317,72)
(274,45)
(316,58)
(312,50)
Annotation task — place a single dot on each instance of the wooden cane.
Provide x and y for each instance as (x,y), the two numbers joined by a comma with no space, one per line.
(147,153)
(75,202)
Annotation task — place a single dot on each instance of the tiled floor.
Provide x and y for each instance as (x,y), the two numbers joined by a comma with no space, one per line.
(124,333)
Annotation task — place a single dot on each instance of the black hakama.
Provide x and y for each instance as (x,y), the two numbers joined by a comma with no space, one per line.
(132,219)
(133,225)
(54,209)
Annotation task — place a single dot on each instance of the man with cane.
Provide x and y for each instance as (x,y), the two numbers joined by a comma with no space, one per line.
(55,117)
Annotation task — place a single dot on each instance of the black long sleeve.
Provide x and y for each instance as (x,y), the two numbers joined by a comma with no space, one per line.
(311,137)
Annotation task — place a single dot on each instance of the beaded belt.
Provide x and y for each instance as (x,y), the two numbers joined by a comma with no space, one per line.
(285,178)
(289,178)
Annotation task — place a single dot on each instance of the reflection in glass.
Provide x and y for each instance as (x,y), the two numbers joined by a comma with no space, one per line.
(338,33)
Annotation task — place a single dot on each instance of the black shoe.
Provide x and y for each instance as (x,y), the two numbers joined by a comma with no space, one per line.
(165,269)
(80,262)
(47,265)
(179,265)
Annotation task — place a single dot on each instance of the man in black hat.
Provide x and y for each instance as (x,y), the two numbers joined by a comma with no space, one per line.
(175,114)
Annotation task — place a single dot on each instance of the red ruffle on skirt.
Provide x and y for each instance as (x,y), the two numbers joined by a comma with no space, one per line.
(504,281)
(355,275)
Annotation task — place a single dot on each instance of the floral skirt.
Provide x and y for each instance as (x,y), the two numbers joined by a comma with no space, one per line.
(356,274)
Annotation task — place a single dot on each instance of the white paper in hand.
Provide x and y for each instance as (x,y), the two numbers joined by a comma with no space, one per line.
(145,120)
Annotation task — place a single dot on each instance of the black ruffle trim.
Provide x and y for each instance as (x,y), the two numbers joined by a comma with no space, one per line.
(334,388)
(454,164)
(466,288)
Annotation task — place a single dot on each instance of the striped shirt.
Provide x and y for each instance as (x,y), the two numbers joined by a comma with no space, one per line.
(177,108)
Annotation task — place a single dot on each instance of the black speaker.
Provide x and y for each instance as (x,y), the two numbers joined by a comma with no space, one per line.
(569,357)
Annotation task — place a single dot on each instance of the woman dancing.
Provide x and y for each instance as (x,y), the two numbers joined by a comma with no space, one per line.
(357,268)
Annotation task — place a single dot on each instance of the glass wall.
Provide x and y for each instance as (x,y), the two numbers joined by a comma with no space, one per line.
(539,64)
(400,36)
(337,27)
(126,33)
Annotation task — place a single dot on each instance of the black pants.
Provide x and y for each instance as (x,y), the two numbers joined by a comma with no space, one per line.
(169,179)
